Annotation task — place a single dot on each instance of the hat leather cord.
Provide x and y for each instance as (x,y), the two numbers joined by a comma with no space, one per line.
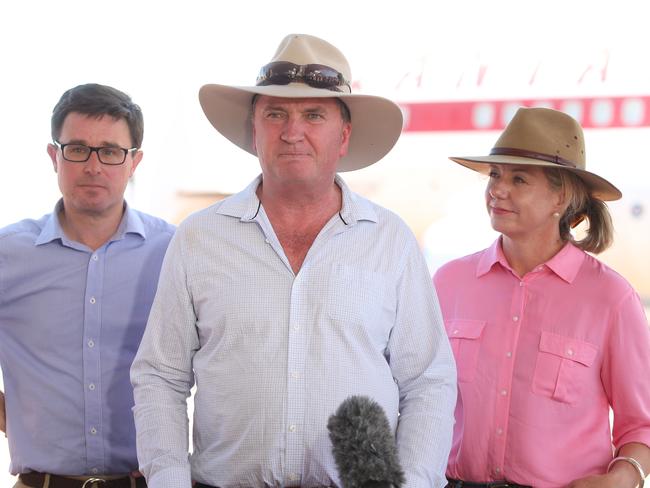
(511,151)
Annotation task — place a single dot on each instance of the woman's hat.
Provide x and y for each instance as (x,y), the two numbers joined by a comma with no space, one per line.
(307,67)
(543,137)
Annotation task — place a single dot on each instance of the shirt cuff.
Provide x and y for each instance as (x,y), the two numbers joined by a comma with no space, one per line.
(171,478)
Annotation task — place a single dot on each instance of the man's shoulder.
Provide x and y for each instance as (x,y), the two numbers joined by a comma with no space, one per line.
(155,224)
(206,216)
(382,215)
(26,228)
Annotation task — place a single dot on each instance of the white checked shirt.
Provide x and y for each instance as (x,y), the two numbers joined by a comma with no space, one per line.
(274,354)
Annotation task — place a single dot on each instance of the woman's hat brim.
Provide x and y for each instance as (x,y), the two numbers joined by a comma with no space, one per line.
(376,121)
(599,187)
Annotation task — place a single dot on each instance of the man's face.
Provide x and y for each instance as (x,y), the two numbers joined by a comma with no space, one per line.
(93,188)
(299,140)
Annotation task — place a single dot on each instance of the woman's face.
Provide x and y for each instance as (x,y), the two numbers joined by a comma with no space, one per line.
(521,202)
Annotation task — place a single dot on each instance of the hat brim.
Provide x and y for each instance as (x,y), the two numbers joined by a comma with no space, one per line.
(599,187)
(376,121)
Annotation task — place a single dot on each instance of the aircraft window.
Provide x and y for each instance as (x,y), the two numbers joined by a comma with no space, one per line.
(602,112)
(633,111)
(406,115)
(483,115)
(574,108)
(508,112)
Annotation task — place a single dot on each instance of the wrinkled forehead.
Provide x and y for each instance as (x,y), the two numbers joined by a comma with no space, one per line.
(266,100)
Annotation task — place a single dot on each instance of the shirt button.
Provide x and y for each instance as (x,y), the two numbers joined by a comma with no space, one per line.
(92,300)
(95,257)
(521,283)
(499,431)
(91,343)
(292,428)
(515,318)
(296,327)
(456,331)
(293,477)
(503,392)
(569,352)
(497,470)
(93,431)
(295,374)
(91,386)
(509,354)
(94,471)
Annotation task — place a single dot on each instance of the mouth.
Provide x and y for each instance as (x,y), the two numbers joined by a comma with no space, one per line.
(91,186)
(500,210)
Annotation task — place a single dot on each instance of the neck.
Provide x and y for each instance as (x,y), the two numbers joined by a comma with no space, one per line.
(92,230)
(300,205)
(524,255)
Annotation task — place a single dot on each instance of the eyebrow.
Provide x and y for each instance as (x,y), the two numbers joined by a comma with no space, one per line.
(310,108)
(102,144)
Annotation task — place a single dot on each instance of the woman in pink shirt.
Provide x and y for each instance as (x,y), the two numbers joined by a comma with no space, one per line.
(546,338)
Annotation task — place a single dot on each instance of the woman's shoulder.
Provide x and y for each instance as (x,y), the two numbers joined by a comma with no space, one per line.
(462,266)
(609,280)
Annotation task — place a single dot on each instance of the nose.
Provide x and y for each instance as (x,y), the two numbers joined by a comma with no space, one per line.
(93,165)
(293,130)
(497,189)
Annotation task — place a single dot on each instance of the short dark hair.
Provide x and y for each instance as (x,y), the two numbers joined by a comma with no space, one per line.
(97,100)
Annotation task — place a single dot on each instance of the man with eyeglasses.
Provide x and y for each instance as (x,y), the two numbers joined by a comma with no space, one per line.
(76,287)
(282,301)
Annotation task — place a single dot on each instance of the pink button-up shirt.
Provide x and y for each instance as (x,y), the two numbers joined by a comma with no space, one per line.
(540,361)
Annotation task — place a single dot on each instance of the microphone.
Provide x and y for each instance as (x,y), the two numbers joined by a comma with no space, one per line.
(364,446)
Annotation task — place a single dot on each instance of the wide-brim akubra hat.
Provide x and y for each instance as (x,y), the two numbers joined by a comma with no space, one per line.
(543,137)
(311,68)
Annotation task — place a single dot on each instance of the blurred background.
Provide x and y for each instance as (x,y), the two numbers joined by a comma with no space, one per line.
(458,69)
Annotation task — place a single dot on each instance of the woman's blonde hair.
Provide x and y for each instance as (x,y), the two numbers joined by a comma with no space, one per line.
(582,206)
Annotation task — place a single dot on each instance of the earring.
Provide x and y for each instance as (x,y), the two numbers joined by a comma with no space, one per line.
(556,215)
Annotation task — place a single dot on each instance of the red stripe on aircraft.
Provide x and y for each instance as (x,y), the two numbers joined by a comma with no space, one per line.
(481,115)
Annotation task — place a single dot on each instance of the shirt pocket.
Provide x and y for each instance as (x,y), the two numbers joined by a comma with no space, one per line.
(465,339)
(562,367)
(360,302)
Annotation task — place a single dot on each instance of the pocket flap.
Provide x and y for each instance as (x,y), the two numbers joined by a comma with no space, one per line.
(568,348)
(465,329)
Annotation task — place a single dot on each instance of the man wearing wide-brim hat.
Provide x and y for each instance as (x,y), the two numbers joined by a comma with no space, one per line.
(287,298)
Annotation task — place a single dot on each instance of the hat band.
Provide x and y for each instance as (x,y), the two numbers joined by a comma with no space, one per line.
(314,75)
(523,153)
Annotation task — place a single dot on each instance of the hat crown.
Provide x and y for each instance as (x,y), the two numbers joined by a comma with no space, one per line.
(305,49)
(547,133)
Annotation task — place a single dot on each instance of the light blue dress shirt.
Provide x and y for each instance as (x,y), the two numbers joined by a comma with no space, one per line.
(274,353)
(71,321)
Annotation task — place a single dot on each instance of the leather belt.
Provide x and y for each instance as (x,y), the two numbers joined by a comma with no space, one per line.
(36,480)
(493,484)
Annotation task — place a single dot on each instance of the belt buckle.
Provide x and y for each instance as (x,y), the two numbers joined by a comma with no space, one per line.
(93,481)
(499,484)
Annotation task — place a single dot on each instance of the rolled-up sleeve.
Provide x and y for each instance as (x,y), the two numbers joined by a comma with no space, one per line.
(422,363)
(162,377)
(625,370)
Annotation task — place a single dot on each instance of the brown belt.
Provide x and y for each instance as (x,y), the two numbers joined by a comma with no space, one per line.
(493,484)
(36,480)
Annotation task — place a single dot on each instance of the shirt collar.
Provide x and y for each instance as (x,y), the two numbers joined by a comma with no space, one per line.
(131,223)
(245,204)
(565,264)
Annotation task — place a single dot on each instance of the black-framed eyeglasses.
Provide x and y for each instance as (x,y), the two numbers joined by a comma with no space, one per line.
(314,75)
(80,153)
